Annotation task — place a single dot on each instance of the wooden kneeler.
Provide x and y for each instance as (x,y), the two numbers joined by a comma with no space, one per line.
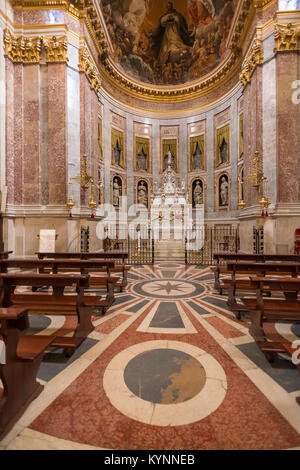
(23,356)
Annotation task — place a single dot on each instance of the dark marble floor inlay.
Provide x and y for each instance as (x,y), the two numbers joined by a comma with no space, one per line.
(198,308)
(135,308)
(167,316)
(217,302)
(166,288)
(37,323)
(164,376)
(296,329)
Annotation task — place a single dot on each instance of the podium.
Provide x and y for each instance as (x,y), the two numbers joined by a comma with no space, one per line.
(47,239)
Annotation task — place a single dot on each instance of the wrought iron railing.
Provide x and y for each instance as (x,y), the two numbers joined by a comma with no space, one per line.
(202,243)
(140,248)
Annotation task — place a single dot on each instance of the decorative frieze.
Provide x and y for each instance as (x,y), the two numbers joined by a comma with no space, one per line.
(87,66)
(56,48)
(21,49)
(286,38)
(254,58)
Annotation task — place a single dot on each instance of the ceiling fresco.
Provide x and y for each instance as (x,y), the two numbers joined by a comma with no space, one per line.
(168,43)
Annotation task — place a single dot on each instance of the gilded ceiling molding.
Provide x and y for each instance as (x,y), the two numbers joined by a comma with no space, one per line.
(286,38)
(20,48)
(87,66)
(56,48)
(254,58)
(262,4)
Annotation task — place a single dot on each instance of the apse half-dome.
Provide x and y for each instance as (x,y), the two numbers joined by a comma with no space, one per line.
(168,43)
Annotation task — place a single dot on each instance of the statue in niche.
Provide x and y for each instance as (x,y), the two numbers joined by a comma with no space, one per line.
(197,193)
(142,193)
(224,151)
(117,154)
(142,160)
(224,187)
(197,157)
(117,191)
(169,158)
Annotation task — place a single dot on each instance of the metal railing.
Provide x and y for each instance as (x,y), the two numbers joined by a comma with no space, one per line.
(201,244)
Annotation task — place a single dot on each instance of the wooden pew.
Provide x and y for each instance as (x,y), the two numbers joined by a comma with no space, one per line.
(23,356)
(63,265)
(263,269)
(104,255)
(263,310)
(77,304)
(250,257)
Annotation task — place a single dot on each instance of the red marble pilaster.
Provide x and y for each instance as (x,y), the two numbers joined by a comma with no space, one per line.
(57,132)
(31,134)
(287,129)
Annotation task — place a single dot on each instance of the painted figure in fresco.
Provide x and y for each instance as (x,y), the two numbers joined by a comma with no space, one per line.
(142,197)
(198,195)
(224,191)
(116,193)
(171,40)
(201,11)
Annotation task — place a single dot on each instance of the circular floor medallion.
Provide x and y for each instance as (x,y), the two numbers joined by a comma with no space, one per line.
(168,288)
(164,376)
(175,404)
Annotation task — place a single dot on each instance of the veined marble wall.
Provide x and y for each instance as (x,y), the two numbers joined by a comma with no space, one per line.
(49,115)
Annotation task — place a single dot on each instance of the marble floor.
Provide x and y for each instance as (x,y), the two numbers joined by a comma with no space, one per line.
(167,368)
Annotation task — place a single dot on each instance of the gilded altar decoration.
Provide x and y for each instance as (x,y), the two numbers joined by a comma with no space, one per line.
(254,58)
(87,66)
(286,38)
(223,145)
(169,146)
(56,48)
(142,154)
(21,48)
(117,148)
(197,153)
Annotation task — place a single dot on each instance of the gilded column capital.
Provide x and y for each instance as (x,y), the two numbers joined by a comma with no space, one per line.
(286,37)
(56,48)
(254,58)
(20,48)
(87,66)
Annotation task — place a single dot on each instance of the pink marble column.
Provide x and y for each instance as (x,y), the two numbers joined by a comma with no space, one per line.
(287,129)
(10,150)
(57,138)
(31,134)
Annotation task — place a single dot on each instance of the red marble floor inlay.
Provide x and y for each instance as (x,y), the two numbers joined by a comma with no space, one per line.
(111,324)
(245,420)
(224,328)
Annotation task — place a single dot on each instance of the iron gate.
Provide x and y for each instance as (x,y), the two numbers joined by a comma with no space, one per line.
(202,243)
(140,247)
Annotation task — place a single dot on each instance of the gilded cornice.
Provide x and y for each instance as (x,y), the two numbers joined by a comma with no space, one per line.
(87,66)
(254,58)
(56,48)
(263,4)
(20,48)
(286,37)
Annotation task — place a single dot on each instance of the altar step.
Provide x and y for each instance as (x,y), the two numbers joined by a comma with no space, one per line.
(164,250)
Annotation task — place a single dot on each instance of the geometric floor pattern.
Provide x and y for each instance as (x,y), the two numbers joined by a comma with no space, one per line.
(168,367)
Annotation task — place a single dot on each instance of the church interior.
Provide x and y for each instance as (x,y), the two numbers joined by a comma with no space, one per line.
(149,225)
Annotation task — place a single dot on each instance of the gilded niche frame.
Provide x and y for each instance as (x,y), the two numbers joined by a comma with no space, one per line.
(149,187)
(193,142)
(222,135)
(241,135)
(100,139)
(123,188)
(190,189)
(117,141)
(166,145)
(142,144)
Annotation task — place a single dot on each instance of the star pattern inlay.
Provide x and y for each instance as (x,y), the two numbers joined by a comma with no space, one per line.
(168,287)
